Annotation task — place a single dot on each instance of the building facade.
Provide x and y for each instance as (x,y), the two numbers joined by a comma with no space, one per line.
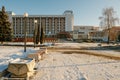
(82,32)
(97,36)
(114,33)
(52,24)
(103,35)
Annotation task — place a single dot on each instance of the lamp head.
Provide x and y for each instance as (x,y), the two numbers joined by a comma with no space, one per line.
(35,21)
(25,14)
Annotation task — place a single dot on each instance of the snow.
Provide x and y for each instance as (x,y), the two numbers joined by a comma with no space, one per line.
(20,61)
(8,54)
(77,66)
(55,68)
(58,65)
(83,45)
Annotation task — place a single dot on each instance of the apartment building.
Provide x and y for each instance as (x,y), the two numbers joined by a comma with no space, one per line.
(52,24)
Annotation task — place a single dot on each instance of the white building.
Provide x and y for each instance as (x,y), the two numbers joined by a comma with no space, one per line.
(82,32)
(52,24)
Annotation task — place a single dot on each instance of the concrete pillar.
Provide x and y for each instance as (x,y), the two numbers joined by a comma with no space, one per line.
(21,27)
(59,23)
(15,27)
(53,28)
(46,25)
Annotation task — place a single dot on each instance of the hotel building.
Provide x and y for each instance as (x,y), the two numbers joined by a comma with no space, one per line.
(52,24)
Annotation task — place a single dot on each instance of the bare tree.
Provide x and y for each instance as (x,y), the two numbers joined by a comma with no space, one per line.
(108,20)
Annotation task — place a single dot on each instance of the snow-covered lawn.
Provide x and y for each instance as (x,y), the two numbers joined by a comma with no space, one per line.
(75,66)
(61,66)
(75,45)
(80,45)
(9,53)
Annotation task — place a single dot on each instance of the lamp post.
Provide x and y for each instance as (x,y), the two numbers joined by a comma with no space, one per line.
(25,32)
(49,34)
(35,33)
(108,25)
(39,27)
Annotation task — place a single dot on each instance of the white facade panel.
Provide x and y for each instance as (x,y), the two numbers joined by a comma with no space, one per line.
(69,20)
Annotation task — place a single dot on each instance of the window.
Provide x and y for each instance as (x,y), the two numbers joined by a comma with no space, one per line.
(81,32)
(82,27)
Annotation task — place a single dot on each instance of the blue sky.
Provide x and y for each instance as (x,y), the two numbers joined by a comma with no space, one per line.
(86,12)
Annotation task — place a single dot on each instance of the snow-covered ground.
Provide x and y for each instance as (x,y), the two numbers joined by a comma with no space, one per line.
(61,66)
(8,53)
(76,66)
(80,45)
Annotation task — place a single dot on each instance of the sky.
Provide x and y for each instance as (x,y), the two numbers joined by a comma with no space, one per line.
(86,12)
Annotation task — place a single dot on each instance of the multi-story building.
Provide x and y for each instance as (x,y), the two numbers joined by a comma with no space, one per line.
(97,36)
(114,34)
(52,24)
(82,32)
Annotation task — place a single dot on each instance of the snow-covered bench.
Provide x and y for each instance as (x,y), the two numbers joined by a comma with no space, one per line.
(38,55)
(21,68)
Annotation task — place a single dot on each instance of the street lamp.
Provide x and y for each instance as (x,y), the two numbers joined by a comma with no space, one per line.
(35,32)
(49,34)
(25,32)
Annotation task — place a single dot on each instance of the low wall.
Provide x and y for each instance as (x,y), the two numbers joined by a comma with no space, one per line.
(31,40)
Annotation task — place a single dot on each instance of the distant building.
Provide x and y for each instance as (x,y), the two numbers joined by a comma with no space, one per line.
(52,24)
(103,35)
(82,32)
(97,36)
(114,33)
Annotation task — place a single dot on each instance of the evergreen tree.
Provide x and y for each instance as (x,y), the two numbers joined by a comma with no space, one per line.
(42,35)
(119,38)
(38,35)
(5,30)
